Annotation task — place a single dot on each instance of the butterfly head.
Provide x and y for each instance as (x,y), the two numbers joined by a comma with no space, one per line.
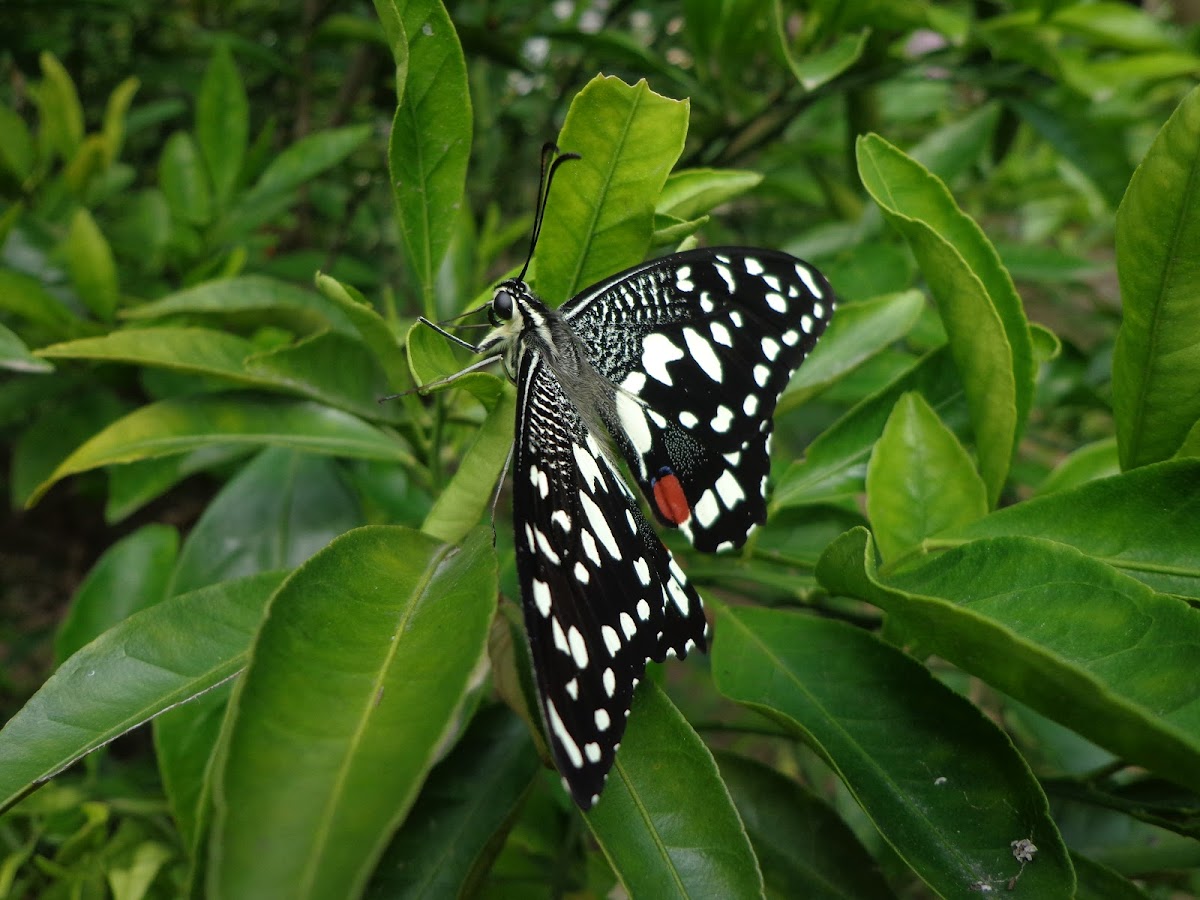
(512,311)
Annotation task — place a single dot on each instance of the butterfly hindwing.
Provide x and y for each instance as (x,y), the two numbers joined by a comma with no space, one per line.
(601,593)
(698,347)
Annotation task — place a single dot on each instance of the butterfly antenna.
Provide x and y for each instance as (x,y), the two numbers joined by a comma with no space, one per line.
(551,160)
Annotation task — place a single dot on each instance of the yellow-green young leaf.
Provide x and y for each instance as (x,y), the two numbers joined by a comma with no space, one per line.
(431,358)
(469,493)
(16,144)
(185,423)
(61,116)
(113,128)
(357,678)
(989,334)
(920,480)
(370,325)
(600,215)
(183,181)
(1156,363)
(93,270)
(692,192)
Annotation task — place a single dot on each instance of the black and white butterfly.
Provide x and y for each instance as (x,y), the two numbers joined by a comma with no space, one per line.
(674,366)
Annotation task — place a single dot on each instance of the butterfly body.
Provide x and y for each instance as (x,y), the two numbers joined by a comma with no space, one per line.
(674,366)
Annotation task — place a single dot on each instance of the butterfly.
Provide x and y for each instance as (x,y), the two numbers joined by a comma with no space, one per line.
(675,367)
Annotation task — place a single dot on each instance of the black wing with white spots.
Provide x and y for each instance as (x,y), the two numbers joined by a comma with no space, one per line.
(601,593)
(698,347)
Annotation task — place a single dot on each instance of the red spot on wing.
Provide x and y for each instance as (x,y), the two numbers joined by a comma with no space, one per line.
(668,497)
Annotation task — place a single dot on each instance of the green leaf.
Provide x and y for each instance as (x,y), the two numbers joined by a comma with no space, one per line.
(272,515)
(940,781)
(920,480)
(469,493)
(130,576)
(183,181)
(690,193)
(59,109)
(802,845)
(358,672)
(835,464)
(1156,364)
(248,295)
(1145,523)
(1097,882)
(1063,633)
(665,821)
(93,270)
(855,334)
(1117,26)
(197,351)
(186,423)
(148,663)
(16,144)
(1087,463)
(431,358)
(430,143)
(370,325)
(287,173)
(133,485)
(26,297)
(989,334)
(15,356)
(222,123)
(818,67)
(464,811)
(600,216)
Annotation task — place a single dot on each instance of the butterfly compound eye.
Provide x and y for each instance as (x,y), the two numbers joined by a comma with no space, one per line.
(502,307)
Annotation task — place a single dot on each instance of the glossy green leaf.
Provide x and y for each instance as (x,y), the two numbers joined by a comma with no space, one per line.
(249,295)
(275,513)
(198,351)
(1156,364)
(183,180)
(469,494)
(186,423)
(15,356)
(60,113)
(222,123)
(665,821)
(1115,25)
(689,193)
(116,111)
(148,663)
(92,267)
(130,576)
(185,740)
(358,672)
(1078,641)
(835,464)
(27,298)
(989,334)
(940,781)
(432,358)
(856,333)
(1145,522)
(465,808)
(601,213)
(920,480)
(802,845)
(430,143)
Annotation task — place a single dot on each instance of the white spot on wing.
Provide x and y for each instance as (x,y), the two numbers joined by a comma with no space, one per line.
(587,467)
(657,351)
(818,310)
(643,609)
(634,382)
(770,348)
(688,419)
(628,625)
(643,574)
(633,420)
(753,266)
(592,749)
(589,545)
(602,718)
(750,407)
(547,551)
(809,282)
(581,573)
(573,688)
(706,509)
(561,518)
(610,688)
(776,302)
(596,519)
(560,636)
(703,354)
(612,640)
(683,279)
(729,490)
(721,420)
(761,375)
(541,597)
(578,648)
(721,334)
(564,737)
(726,275)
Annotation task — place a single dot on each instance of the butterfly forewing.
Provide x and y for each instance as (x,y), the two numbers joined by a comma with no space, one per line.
(698,347)
(601,593)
